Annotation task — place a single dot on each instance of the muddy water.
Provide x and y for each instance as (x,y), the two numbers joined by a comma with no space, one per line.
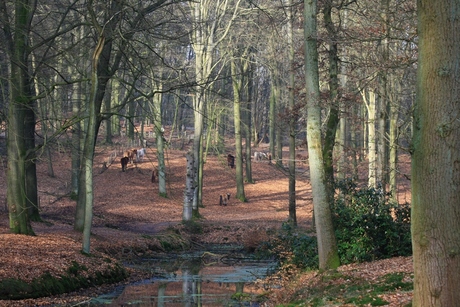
(208,280)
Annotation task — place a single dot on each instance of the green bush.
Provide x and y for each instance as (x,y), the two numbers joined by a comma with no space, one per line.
(367,226)
(292,246)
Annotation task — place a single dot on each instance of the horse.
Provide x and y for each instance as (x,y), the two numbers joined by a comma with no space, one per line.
(124,163)
(140,154)
(154,175)
(131,154)
(231,161)
(222,200)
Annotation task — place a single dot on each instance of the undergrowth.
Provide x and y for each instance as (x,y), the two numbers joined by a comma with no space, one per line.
(47,284)
(332,288)
(368,226)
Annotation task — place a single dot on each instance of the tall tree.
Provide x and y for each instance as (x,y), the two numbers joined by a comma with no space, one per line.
(327,246)
(237,83)
(156,108)
(248,118)
(293,116)
(436,157)
(88,151)
(19,147)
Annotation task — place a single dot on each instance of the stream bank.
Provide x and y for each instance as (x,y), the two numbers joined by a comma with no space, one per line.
(220,275)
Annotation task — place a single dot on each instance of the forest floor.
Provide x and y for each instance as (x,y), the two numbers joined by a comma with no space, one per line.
(130,217)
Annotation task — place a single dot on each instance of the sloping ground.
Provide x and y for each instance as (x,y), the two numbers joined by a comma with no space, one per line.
(130,217)
(380,283)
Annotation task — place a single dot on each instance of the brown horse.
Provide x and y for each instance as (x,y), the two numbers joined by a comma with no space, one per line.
(132,154)
(124,163)
(154,175)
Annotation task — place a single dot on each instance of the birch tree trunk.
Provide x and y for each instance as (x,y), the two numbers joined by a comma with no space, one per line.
(159,132)
(370,102)
(327,246)
(189,194)
(436,157)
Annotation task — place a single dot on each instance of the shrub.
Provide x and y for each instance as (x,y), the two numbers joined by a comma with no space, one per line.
(367,226)
(293,246)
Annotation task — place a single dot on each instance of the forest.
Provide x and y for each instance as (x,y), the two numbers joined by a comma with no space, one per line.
(334,98)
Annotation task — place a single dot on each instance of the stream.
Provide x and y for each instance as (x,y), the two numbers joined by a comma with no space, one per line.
(212,278)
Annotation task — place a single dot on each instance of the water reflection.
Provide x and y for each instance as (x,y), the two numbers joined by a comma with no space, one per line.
(193,284)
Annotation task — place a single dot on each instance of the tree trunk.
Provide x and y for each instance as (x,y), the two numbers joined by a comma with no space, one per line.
(343,141)
(203,62)
(236,83)
(384,101)
(341,151)
(274,98)
(327,247)
(393,144)
(187,212)
(160,139)
(130,121)
(108,109)
(370,102)
(76,141)
(17,149)
(116,127)
(333,119)
(292,117)
(30,162)
(381,144)
(88,152)
(248,125)
(436,157)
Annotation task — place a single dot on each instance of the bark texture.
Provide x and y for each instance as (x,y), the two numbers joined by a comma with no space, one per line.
(436,157)
(327,246)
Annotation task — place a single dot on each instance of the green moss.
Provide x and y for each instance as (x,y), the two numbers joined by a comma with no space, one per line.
(46,284)
(163,194)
